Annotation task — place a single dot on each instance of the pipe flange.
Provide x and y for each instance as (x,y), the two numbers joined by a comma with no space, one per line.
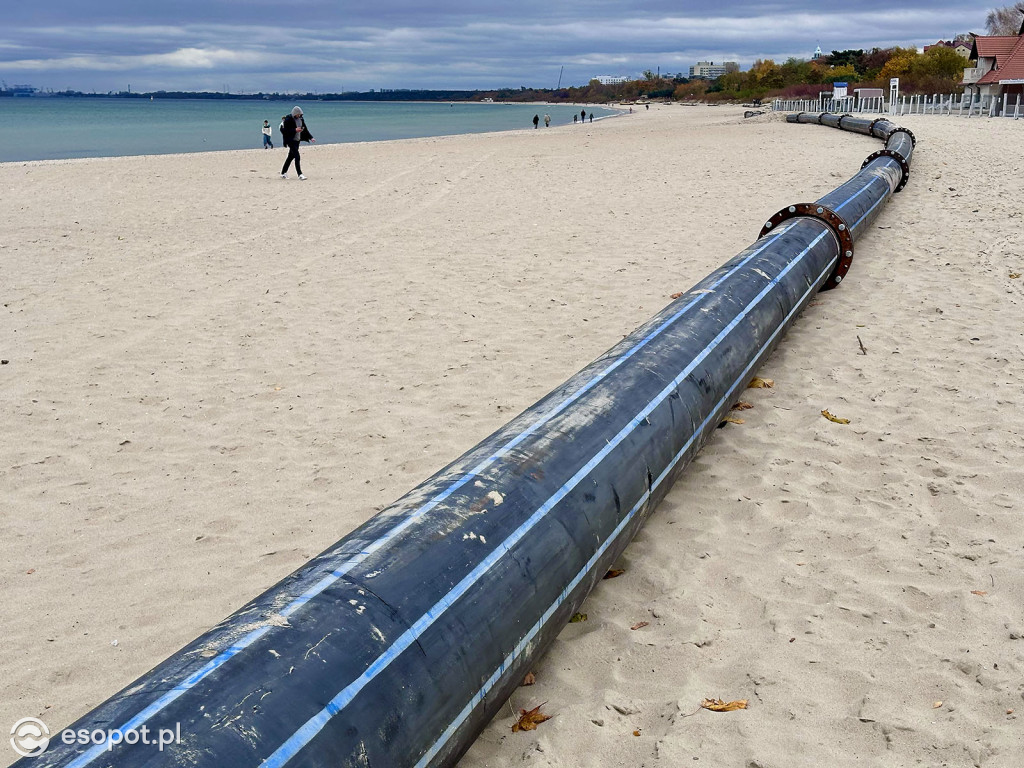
(876,121)
(913,138)
(821,117)
(904,166)
(833,221)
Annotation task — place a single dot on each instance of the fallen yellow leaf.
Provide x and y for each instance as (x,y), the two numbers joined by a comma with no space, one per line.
(835,419)
(758,383)
(936,705)
(734,420)
(636,732)
(529,720)
(1014,275)
(742,406)
(578,617)
(717,705)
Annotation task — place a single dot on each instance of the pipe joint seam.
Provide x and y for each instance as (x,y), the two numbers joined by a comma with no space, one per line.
(876,121)
(821,117)
(913,138)
(833,221)
(904,166)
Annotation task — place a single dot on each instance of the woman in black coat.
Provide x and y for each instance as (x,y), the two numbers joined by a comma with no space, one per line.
(294,130)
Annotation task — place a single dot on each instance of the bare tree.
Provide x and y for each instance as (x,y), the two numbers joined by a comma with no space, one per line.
(1006,20)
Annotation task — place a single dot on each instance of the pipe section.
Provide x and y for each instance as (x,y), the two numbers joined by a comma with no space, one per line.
(398,644)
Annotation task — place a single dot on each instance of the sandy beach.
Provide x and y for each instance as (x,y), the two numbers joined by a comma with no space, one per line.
(211,375)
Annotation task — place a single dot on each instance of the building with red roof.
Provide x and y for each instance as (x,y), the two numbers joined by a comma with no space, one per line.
(999,66)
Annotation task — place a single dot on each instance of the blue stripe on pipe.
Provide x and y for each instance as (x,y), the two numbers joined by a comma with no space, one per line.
(867,213)
(865,188)
(89,755)
(563,596)
(97,749)
(315,724)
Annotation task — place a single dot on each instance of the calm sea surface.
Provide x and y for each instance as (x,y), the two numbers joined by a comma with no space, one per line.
(54,128)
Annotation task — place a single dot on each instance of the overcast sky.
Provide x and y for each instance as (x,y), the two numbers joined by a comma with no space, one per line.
(329,45)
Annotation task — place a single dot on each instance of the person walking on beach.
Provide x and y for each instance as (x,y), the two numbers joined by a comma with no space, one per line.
(267,143)
(536,121)
(591,116)
(583,115)
(294,130)
(547,121)
(575,117)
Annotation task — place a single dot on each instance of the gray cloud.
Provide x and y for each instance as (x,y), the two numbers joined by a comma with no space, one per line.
(321,45)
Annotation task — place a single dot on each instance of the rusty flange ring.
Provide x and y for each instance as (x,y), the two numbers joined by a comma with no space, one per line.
(833,221)
(904,168)
(913,138)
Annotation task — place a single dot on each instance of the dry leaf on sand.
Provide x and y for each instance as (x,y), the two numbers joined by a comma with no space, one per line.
(613,573)
(530,719)
(833,418)
(734,420)
(758,383)
(676,295)
(529,678)
(742,406)
(640,625)
(717,705)
(979,592)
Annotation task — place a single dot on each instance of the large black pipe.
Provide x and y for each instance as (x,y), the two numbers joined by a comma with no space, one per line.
(399,643)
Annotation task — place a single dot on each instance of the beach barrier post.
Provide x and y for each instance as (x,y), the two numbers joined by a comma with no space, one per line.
(398,644)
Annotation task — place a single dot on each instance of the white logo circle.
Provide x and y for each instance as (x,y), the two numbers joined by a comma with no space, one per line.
(30,737)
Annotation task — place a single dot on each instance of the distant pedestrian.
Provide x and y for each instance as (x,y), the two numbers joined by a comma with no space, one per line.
(575,117)
(647,106)
(591,116)
(267,143)
(294,130)
(583,115)
(536,121)
(547,121)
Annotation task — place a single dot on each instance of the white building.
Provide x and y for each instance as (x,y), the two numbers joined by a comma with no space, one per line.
(708,70)
(612,79)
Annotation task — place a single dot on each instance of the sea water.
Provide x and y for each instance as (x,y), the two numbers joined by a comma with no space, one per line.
(40,128)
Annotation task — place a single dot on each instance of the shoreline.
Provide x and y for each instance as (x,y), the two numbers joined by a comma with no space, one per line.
(208,384)
(336,129)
